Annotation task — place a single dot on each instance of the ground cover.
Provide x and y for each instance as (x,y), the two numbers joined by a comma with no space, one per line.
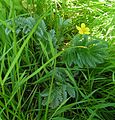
(57,60)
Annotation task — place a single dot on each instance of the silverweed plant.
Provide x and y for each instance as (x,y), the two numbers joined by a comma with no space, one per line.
(57,60)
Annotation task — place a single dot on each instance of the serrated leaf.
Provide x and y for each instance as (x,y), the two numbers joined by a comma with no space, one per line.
(87,53)
(58,95)
(70,90)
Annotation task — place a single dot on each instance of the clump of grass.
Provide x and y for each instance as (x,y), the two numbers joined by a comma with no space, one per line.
(48,71)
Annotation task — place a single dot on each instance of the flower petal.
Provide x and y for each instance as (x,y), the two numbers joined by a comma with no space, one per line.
(81,31)
(78,28)
(87,29)
(87,32)
(82,25)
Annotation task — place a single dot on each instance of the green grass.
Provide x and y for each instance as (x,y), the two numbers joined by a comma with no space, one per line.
(48,71)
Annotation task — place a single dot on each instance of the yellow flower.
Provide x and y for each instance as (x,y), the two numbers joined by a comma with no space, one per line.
(83,29)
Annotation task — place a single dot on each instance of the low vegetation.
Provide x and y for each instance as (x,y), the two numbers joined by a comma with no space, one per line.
(57,60)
